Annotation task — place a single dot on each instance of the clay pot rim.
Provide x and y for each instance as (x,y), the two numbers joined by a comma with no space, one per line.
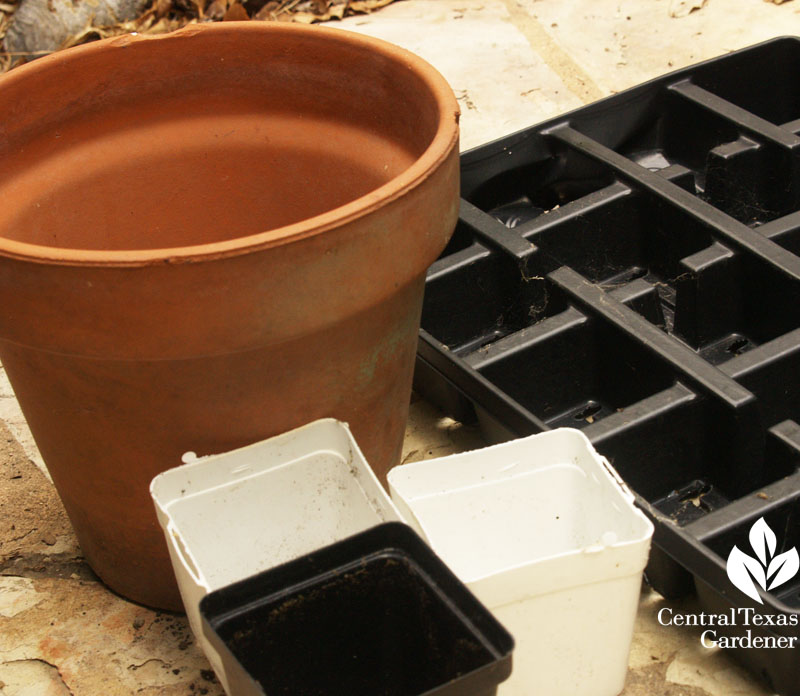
(439,148)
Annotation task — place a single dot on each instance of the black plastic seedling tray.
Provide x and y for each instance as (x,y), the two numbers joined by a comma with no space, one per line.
(632,269)
(377,614)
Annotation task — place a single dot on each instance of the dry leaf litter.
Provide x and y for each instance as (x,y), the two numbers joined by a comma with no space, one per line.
(32,28)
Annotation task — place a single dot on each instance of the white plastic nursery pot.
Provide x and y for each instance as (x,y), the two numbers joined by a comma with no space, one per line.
(229,516)
(545,533)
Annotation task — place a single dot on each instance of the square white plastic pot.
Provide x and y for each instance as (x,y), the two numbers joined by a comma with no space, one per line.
(545,533)
(229,516)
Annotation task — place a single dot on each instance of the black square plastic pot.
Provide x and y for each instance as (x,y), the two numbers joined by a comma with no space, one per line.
(377,614)
(632,269)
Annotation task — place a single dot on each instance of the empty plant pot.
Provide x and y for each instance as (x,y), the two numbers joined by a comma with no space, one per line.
(377,613)
(209,238)
(229,516)
(543,531)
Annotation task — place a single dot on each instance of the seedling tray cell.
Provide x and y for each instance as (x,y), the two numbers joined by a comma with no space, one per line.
(632,269)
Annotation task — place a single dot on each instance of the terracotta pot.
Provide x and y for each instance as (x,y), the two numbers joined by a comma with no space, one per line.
(208,238)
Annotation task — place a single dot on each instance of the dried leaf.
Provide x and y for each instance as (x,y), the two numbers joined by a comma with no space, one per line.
(89,33)
(367,6)
(164,26)
(163,16)
(189,8)
(285,6)
(236,13)
(216,9)
(267,11)
(161,8)
(304,18)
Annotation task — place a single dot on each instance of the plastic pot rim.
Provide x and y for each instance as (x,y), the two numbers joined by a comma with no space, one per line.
(436,152)
(624,550)
(171,489)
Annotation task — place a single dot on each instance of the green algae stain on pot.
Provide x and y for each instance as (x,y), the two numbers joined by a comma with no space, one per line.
(386,352)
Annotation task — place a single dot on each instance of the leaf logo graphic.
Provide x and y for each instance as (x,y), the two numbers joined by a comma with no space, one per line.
(766,570)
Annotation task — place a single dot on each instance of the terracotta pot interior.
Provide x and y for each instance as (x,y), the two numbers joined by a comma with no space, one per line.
(285,128)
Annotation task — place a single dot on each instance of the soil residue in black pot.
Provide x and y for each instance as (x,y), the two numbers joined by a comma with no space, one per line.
(377,629)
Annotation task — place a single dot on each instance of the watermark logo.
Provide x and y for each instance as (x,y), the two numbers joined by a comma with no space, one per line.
(745,627)
(766,569)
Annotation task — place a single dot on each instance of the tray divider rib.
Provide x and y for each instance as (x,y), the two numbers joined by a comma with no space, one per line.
(746,120)
(494,233)
(723,226)
(683,360)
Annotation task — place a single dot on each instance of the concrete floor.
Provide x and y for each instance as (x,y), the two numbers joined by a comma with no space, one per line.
(512,63)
